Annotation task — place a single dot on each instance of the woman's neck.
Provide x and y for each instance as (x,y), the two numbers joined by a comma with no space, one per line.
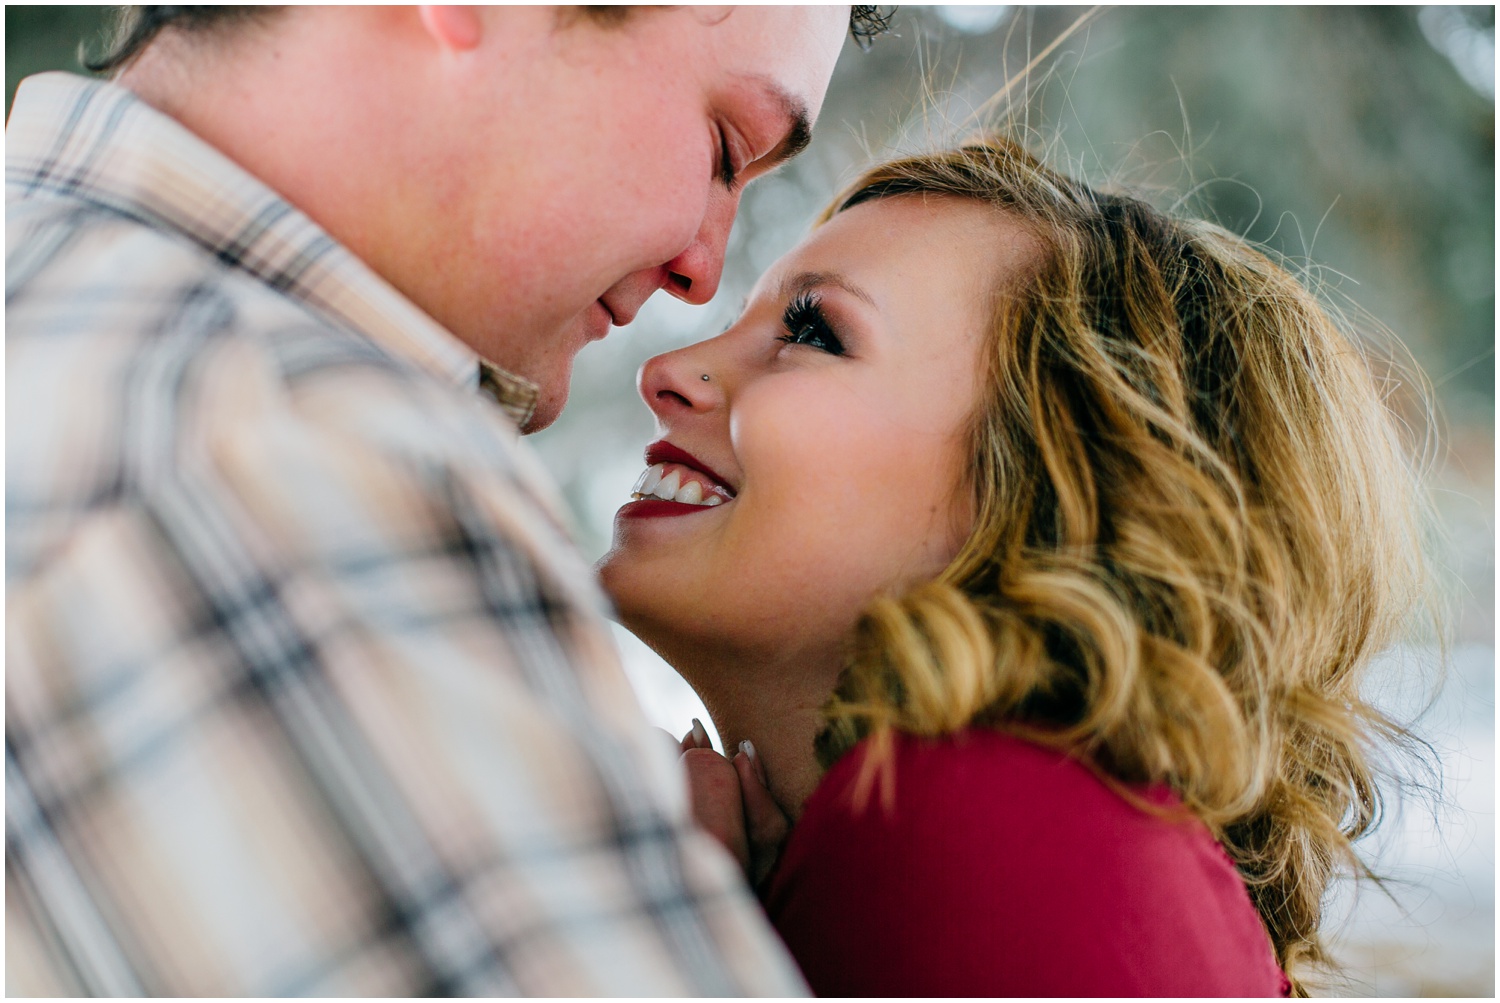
(779,710)
(783,741)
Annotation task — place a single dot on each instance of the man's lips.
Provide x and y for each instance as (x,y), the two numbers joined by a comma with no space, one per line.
(599,321)
(622,306)
(663,451)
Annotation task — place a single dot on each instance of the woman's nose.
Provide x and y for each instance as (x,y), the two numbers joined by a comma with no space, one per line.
(681,382)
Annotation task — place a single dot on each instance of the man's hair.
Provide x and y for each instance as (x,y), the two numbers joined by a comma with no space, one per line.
(134,27)
(868,23)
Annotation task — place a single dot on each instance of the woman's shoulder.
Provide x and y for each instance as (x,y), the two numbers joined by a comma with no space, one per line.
(979,777)
(1003,761)
(987,807)
(995,865)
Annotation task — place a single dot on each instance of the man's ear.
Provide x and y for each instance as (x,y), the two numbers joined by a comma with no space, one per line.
(456,29)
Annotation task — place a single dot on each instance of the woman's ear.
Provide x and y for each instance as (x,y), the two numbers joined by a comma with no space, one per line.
(456,29)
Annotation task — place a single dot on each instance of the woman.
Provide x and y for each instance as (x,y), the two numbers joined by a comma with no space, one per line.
(1030,544)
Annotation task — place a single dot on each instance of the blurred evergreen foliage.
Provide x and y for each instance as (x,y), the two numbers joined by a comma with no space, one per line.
(41,38)
(1339,136)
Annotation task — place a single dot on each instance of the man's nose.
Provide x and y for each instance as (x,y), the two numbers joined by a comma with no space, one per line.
(693,276)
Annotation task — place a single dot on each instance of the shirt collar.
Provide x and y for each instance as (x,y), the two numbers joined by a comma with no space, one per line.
(96,141)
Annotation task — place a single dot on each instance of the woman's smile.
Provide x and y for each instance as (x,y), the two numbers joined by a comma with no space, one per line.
(675,483)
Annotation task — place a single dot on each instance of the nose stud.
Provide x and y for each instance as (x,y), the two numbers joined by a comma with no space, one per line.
(704,377)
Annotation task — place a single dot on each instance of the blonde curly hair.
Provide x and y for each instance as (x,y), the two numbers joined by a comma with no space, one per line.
(1196,523)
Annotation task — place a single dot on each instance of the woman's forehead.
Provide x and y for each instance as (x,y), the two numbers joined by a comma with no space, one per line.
(938,242)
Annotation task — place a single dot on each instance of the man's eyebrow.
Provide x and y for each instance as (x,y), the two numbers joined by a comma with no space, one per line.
(799,128)
(804,282)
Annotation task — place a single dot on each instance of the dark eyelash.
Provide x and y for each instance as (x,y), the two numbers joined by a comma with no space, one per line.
(806,325)
(726,162)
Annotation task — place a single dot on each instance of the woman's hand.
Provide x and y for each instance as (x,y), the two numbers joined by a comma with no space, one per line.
(731,800)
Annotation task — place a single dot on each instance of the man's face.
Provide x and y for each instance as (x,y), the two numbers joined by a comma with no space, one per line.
(575,168)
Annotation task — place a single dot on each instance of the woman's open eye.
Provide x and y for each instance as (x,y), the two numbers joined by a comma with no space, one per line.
(805,325)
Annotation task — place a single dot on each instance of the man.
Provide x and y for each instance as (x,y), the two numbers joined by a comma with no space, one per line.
(307,691)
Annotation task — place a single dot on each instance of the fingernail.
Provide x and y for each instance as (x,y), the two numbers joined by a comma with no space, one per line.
(748,748)
(700,735)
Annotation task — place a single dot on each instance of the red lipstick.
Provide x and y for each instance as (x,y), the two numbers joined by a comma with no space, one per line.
(663,451)
(652,508)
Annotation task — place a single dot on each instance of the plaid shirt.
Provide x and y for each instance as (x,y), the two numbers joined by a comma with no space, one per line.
(307,691)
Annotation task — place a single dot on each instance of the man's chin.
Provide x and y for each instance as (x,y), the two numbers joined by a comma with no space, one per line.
(549,406)
(552,375)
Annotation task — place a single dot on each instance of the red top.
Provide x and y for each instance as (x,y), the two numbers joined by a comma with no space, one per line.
(1007,869)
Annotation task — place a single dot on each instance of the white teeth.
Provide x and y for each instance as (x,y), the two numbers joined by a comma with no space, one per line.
(655,482)
(666,490)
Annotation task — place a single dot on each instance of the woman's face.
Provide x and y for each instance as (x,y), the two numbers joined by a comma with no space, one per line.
(823,458)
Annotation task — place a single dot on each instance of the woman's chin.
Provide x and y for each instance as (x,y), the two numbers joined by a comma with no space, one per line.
(612,570)
(647,598)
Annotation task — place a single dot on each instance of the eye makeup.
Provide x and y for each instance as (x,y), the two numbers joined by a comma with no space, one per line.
(805,324)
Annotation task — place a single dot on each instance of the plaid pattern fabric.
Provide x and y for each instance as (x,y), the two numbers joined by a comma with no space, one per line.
(307,691)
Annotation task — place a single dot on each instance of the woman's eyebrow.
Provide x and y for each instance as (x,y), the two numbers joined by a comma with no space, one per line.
(802,282)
